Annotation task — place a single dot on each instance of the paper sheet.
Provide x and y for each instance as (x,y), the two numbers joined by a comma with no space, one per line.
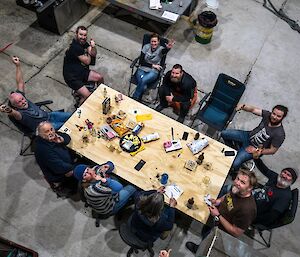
(170,16)
(174,191)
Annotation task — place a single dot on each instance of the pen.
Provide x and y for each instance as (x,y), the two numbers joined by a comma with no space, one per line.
(172,132)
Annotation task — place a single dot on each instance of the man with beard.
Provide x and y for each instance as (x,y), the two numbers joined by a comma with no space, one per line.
(77,59)
(265,139)
(26,112)
(273,199)
(54,158)
(235,211)
(177,90)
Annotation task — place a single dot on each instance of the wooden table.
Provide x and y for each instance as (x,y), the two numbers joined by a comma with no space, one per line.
(157,160)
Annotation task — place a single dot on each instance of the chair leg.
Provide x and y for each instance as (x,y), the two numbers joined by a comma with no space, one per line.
(267,244)
(97,222)
(130,251)
(24,149)
(150,250)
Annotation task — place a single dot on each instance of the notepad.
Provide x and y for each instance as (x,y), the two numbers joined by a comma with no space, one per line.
(173,191)
(170,16)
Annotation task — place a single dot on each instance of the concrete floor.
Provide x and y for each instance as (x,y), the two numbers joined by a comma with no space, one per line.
(247,38)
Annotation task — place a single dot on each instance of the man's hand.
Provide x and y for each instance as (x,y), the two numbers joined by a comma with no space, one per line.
(172,202)
(16,60)
(169,98)
(5,109)
(256,152)
(161,189)
(92,43)
(213,211)
(170,43)
(156,66)
(239,107)
(215,202)
(164,253)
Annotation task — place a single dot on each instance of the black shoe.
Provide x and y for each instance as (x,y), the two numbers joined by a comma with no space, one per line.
(191,246)
(159,108)
(180,119)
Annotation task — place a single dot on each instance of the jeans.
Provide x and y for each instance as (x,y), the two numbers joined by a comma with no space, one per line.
(124,195)
(58,118)
(241,137)
(143,79)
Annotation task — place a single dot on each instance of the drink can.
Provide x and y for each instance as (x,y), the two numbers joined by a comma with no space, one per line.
(137,129)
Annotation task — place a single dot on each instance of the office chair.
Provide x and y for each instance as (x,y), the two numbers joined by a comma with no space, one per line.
(26,132)
(134,67)
(286,218)
(219,105)
(133,241)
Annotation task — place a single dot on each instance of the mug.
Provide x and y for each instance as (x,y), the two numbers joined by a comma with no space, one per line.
(164,178)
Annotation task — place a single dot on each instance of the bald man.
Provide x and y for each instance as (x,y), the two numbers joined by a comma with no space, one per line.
(24,111)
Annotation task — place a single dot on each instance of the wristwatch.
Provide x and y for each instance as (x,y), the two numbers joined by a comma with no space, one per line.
(217,218)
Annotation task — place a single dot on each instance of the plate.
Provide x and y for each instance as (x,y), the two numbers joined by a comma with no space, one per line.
(130,143)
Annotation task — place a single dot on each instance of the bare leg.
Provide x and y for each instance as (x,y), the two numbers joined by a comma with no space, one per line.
(84,94)
(95,76)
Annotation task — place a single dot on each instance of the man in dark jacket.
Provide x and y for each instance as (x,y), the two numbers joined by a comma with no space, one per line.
(177,90)
(53,157)
(273,199)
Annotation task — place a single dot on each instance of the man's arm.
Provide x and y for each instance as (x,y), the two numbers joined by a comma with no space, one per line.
(249,108)
(264,169)
(19,75)
(11,112)
(92,50)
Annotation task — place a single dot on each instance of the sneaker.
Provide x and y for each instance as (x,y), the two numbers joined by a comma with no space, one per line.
(192,246)
(159,108)
(180,119)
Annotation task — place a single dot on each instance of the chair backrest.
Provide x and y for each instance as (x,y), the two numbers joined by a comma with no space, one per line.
(163,42)
(289,215)
(226,93)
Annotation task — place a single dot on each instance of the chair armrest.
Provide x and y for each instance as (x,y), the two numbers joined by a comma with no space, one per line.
(134,62)
(44,103)
(204,100)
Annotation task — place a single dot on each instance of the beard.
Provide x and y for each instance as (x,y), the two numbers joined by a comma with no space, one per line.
(175,80)
(274,123)
(283,183)
(235,190)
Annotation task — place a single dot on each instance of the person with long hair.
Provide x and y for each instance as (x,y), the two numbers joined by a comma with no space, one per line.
(151,218)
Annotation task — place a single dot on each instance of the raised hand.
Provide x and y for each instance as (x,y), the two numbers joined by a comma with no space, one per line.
(16,60)
(170,43)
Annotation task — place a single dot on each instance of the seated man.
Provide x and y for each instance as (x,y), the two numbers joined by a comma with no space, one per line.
(177,90)
(273,199)
(27,113)
(265,139)
(236,210)
(151,218)
(77,59)
(105,195)
(53,157)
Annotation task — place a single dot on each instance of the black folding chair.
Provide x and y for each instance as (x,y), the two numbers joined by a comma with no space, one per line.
(217,108)
(135,65)
(287,218)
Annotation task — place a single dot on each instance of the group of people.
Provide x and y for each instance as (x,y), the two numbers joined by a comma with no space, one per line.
(240,206)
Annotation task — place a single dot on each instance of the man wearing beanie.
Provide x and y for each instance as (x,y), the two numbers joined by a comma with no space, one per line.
(274,197)
(105,195)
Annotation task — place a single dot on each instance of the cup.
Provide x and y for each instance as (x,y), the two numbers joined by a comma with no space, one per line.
(164,178)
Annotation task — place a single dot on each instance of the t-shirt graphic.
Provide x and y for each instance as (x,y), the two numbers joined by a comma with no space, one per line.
(259,137)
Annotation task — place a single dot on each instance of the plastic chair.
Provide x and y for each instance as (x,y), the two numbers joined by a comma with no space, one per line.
(26,132)
(134,66)
(219,105)
(287,218)
(133,241)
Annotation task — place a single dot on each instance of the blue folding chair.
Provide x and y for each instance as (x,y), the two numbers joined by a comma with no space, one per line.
(217,108)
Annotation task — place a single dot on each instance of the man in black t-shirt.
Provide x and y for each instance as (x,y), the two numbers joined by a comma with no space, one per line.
(273,199)
(77,59)
(177,90)
(265,139)
(235,211)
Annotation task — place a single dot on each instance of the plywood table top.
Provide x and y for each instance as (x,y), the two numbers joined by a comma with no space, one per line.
(207,178)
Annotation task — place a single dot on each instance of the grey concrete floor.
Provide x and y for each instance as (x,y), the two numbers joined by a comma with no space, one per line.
(247,38)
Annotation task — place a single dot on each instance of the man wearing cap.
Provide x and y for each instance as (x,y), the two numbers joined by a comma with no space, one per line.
(105,195)
(273,199)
